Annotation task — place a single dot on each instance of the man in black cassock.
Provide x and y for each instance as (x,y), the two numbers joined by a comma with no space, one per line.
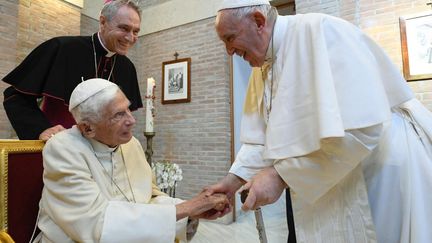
(54,68)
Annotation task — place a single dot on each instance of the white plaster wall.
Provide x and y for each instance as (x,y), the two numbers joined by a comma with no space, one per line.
(177,12)
(166,15)
(92,8)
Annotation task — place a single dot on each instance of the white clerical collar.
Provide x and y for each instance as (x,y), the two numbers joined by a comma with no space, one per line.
(109,53)
(99,147)
(275,41)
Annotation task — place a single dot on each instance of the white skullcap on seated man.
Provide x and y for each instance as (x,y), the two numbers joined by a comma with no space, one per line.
(98,184)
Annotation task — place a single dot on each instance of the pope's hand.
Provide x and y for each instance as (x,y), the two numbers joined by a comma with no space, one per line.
(264,188)
(228,185)
(48,133)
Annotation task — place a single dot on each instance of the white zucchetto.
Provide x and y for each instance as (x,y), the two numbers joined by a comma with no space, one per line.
(227,4)
(87,89)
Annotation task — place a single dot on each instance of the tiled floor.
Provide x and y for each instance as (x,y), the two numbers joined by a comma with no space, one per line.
(243,230)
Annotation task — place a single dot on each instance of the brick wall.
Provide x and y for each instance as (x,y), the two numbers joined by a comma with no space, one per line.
(195,135)
(8,47)
(48,19)
(25,24)
(380,20)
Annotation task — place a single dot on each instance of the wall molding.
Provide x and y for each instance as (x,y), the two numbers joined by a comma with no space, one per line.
(78,3)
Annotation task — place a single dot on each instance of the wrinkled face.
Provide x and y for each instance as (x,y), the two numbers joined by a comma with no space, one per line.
(121,33)
(243,37)
(115,128)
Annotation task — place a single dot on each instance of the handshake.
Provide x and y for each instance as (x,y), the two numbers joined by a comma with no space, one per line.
(204,205)
(215,200)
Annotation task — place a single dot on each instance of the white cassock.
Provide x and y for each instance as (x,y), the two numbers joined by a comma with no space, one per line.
(80,202)
(345,133)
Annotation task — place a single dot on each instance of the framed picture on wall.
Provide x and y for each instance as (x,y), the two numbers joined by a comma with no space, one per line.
(416,41)
(176,81)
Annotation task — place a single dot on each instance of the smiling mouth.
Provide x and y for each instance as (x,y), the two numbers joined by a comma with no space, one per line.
(124,44)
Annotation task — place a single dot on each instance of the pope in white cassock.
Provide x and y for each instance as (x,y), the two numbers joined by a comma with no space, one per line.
(328,115)
(98,184)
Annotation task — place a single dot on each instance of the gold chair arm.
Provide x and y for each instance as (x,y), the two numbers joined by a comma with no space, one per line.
(5,237)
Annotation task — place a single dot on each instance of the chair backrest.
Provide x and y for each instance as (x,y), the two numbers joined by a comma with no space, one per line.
(21,184)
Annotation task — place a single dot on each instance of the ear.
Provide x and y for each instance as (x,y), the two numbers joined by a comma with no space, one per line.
(102,21)
(260,20)
(87,130)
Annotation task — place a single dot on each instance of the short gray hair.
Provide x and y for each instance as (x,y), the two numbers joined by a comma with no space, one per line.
(267,10)
(110,9)
(91,110)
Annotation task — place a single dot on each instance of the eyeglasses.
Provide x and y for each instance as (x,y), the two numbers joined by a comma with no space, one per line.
(121,116)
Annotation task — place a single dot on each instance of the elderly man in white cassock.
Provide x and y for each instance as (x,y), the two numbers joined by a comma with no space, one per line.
(328,115)
(98,184)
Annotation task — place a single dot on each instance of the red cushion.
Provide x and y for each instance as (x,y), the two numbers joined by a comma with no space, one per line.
(24,192)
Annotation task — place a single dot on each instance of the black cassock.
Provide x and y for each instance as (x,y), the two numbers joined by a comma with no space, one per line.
(52,70)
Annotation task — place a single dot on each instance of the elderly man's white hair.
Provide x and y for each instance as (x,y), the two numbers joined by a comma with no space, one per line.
(242,8)
(90,97)
(111,8)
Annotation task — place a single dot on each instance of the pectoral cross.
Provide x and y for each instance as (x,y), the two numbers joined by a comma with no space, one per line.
(430,4)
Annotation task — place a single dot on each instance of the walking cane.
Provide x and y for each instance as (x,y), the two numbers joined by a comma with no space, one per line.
(258,218)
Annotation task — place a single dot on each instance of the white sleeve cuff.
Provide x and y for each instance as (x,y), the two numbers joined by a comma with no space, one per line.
(249,161)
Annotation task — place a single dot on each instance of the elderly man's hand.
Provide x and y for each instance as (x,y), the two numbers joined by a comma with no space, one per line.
(264,188)
(218,211)
(48,133)
(203,206)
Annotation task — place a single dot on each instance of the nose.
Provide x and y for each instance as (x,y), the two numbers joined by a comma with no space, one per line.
(131,37)
(130,119)
(230,50)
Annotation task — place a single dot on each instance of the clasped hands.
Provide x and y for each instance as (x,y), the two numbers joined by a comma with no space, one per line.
(216,200)
(264,188)
(204,206)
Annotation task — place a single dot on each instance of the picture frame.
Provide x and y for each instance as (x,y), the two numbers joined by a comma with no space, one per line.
(176,84)
(416,45)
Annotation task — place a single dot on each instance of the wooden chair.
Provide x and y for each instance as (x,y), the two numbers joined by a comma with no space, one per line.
(21,184)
